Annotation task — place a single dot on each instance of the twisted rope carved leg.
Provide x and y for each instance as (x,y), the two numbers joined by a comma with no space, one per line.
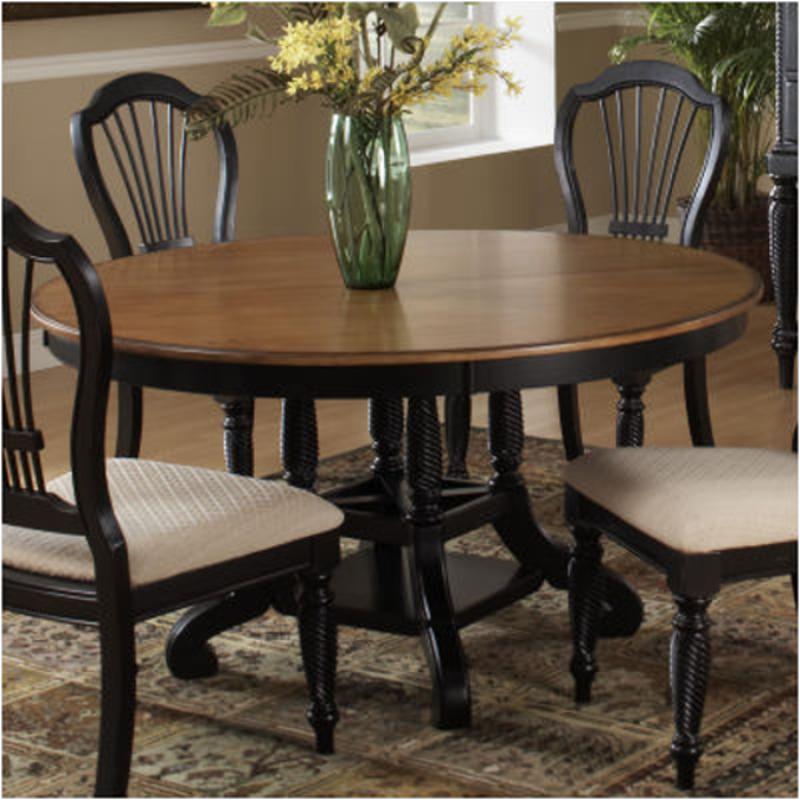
(630,410)
(238,433)
(586,593)
(457,416)
(299,446)
(386,429)
(783,262)
(689,662)
(445,655)
(506,438)
(318,643)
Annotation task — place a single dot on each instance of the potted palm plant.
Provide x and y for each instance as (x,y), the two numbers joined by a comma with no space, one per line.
(730,47)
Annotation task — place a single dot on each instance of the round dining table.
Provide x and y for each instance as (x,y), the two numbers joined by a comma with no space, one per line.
(472,312)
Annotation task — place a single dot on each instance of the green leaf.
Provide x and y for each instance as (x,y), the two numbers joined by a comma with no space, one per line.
(227,14)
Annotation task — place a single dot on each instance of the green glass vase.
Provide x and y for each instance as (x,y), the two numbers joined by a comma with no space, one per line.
(368,195)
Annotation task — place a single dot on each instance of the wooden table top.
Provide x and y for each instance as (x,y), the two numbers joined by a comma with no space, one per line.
(461,296)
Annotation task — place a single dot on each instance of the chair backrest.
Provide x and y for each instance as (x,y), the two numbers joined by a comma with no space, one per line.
(642,172)
(26,501)
(142,121)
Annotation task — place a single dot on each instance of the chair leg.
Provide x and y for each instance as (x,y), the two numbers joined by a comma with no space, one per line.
(118,704)
(689,662)
(695,393)
(630,409)
(586,591)
(794,587)
(318,643)
(569,414)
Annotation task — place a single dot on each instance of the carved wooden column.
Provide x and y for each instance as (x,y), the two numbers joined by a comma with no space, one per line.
(782,167)
(238,433)
(386,429)
(299,447)
(689,665)
(630,410)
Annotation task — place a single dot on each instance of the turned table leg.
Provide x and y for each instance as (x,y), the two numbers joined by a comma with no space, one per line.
(783,260)
(630,410)
(457,416)
(440,638)
(238,433)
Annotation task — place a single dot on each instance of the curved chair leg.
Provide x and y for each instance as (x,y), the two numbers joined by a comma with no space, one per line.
(238,433)
(695,393)
(690,662)
(457,419)
(630,409)
(586,593)
(569,413)
(118,704)
(318,643)
(129,420)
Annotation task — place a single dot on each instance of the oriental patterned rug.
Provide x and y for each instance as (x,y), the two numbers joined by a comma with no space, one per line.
(243,732)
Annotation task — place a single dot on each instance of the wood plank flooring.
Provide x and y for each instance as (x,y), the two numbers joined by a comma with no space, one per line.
(748,409)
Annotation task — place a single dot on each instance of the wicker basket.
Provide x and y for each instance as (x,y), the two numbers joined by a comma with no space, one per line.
(742,234)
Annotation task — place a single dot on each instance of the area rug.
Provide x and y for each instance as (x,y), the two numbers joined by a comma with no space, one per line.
(243,732)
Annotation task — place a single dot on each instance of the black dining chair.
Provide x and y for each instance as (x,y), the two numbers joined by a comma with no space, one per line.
(704,517)
(140,120)
(117,541)
(643,167)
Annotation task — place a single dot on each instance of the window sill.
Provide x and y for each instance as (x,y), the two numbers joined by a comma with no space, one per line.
(438,154)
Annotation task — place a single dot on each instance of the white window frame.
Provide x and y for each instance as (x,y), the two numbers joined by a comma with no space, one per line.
(499,123)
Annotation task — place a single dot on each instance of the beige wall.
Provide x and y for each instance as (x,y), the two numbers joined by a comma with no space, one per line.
(282,158)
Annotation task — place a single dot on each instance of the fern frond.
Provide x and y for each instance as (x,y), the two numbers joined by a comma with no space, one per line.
(243,96)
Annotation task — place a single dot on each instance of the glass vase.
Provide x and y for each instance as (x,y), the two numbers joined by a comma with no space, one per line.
(368,195)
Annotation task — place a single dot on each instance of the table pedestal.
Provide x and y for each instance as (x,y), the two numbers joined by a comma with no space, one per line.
(401,581)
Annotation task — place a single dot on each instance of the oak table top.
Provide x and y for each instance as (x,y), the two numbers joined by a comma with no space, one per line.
(462,296)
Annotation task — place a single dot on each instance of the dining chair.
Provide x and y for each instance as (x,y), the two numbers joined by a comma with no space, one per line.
(139,119)
(642,178)
(117,541)
(643,169)
(704,517)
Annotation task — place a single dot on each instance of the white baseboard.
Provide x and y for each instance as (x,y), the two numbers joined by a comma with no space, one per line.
(41,357)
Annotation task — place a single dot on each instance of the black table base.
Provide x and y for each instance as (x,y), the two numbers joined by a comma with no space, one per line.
(401,580)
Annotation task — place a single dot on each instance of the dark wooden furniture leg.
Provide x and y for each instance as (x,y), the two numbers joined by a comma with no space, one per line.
(440,638)
(586,592)
(630,410)
(117,703)
(689,665)
(783,257)
(129,420)
(569,413)
(386,428)
(238,433)
(318,643)
(695,393)
(299,445)
(457,418)
(188,653)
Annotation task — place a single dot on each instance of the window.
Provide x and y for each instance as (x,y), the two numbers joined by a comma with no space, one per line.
(442,112)
(463,126)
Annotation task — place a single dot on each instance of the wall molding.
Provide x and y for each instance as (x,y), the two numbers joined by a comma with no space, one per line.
(73,65)
(602,18)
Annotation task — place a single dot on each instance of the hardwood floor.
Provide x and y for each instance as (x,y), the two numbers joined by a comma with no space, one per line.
(748,409)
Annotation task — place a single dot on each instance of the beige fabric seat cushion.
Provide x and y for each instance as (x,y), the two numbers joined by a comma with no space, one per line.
(695,500)
(176,519)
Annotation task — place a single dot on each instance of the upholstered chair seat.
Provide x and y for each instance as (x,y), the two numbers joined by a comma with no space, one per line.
(175,519)
(704,517)
(695,500)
